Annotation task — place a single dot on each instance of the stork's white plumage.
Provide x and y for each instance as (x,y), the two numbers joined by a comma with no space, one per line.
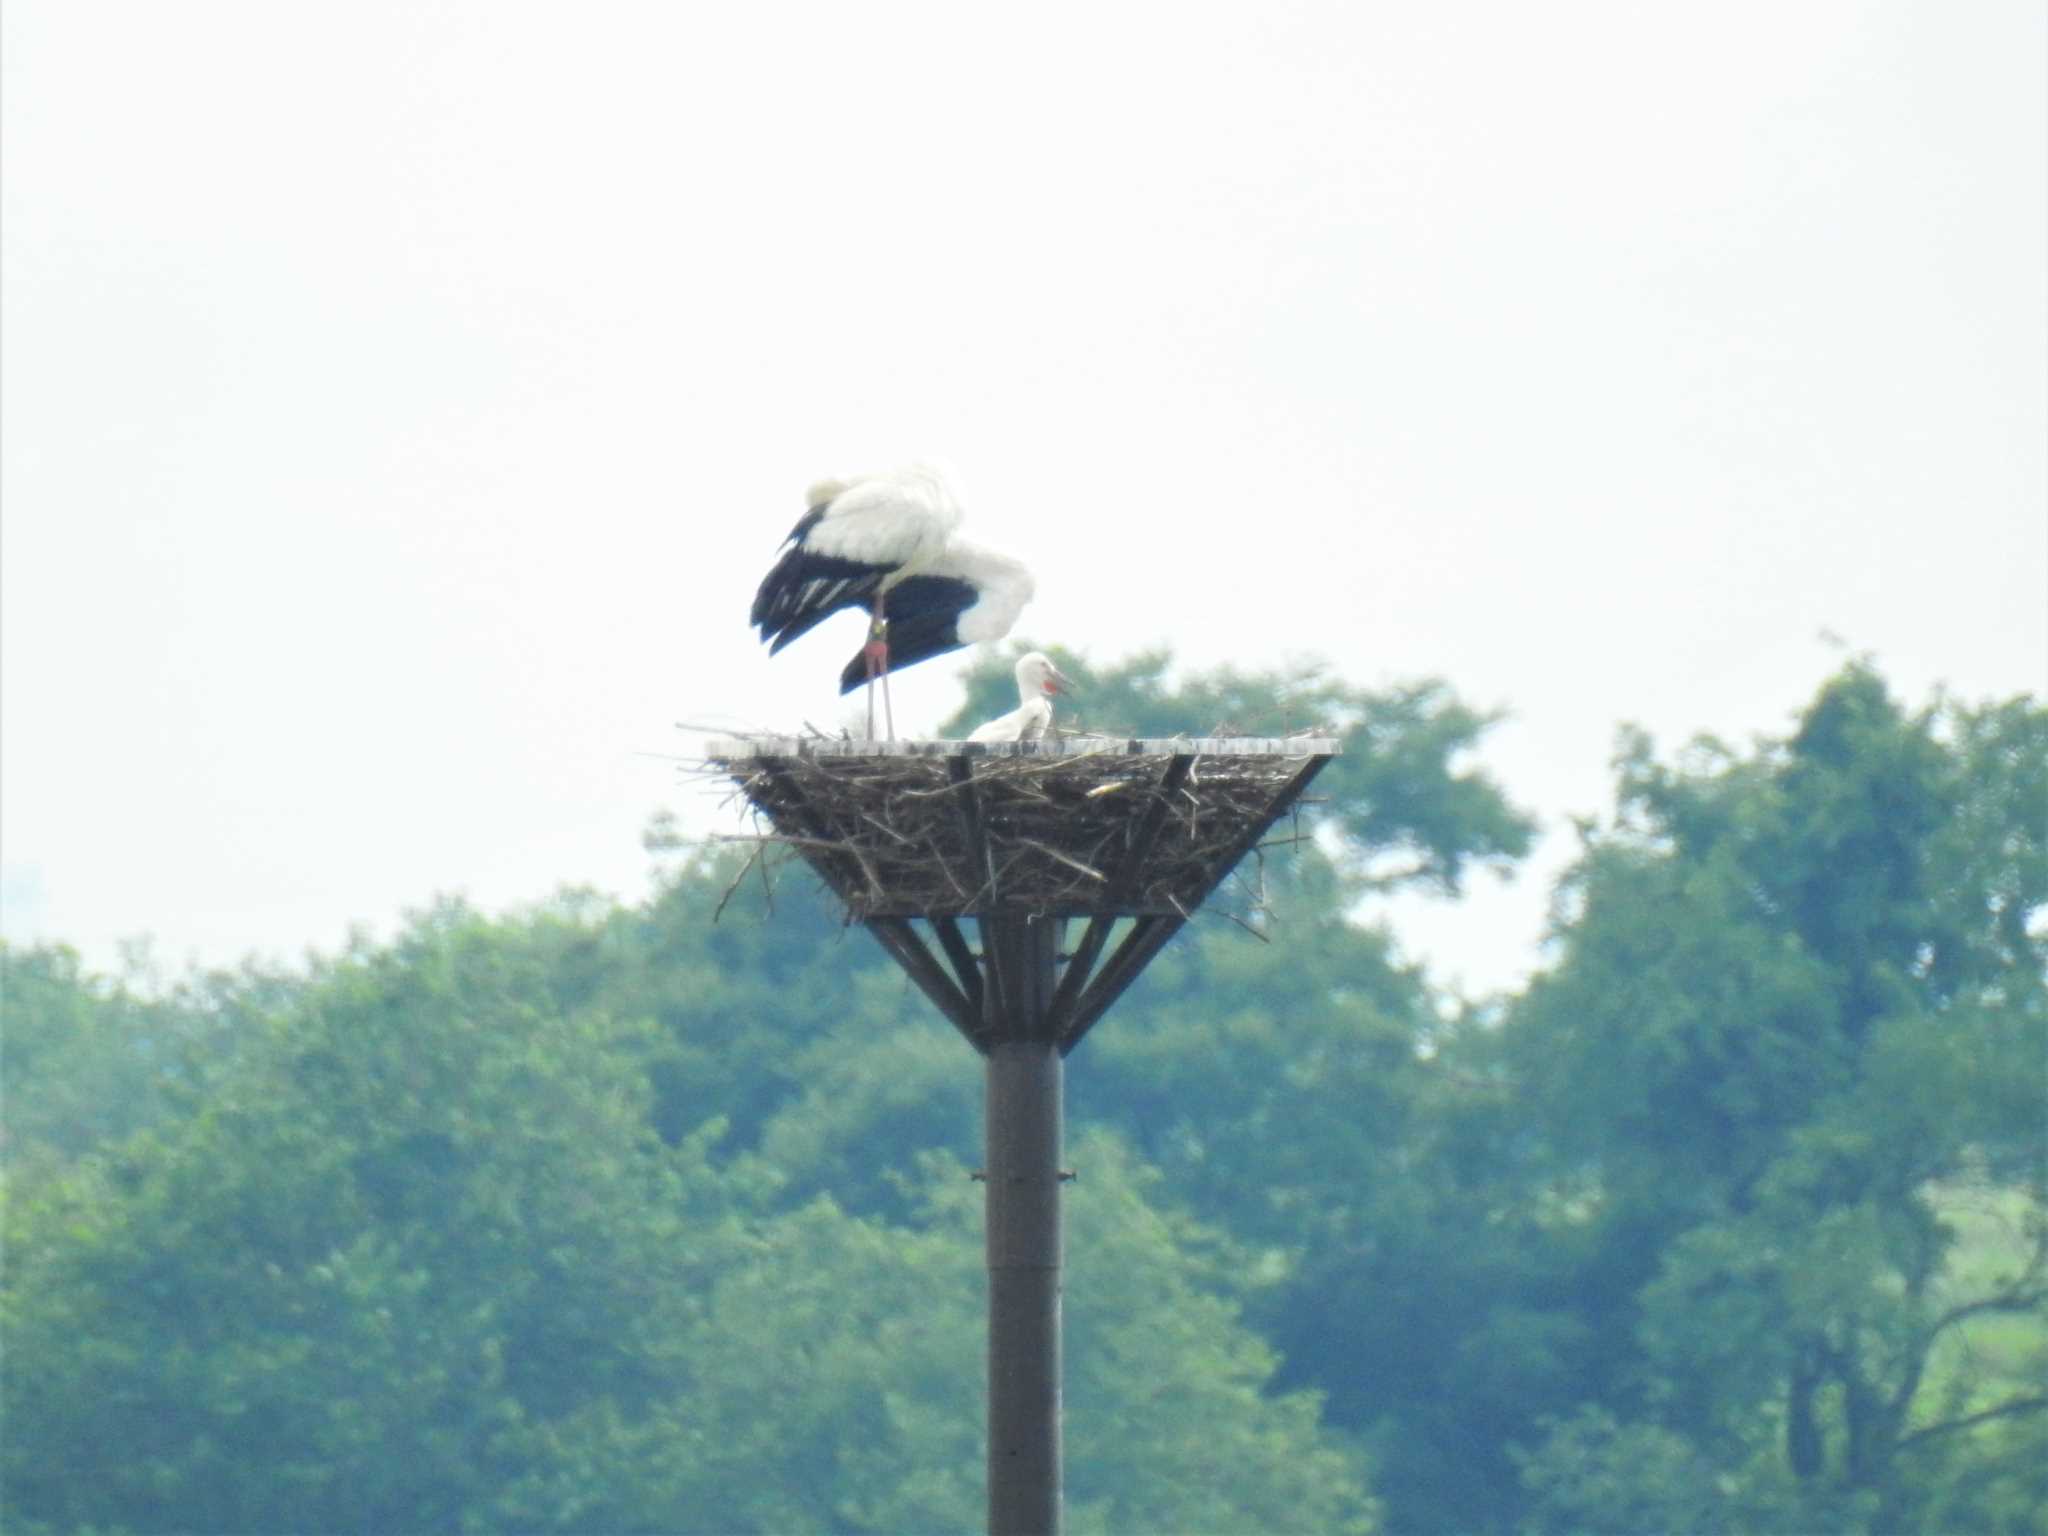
(884,542)
(1037,681)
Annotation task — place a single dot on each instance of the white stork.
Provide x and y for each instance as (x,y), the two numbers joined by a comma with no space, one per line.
(884,542)
(1037,681)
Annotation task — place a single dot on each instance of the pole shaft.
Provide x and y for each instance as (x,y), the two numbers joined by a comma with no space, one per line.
(1024,1128)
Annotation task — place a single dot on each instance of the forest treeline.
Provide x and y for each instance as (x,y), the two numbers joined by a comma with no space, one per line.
(607,1218)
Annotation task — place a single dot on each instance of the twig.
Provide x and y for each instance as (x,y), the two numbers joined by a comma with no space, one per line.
(883,827)
(835,844)
(1234,918)
(752,859)
(1054,853)
(1969,1420)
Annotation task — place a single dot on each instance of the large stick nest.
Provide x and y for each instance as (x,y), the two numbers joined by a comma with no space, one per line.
(1070,828)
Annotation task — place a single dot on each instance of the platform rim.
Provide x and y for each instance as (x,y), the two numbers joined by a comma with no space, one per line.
(730,749)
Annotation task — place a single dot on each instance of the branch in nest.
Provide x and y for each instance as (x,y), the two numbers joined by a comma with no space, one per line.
(1054,853)
(734,884)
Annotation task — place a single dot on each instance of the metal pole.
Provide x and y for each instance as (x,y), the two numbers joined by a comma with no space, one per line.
(1024,1115)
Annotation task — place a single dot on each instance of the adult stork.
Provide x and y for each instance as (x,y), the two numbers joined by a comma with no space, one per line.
(885,542)
(1037,681)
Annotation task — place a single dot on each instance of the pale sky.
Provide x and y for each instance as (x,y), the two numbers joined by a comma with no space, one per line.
(402,400)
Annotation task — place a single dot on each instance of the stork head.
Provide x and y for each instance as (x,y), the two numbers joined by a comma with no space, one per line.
(1036,675)
(823,492)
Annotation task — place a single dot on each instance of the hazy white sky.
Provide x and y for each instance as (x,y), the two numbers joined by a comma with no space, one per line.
(402,400)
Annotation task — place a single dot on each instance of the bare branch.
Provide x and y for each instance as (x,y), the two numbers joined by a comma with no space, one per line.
(1234,918)
(1054,853)
(2010,1301)
(2004,1410)
(752,859)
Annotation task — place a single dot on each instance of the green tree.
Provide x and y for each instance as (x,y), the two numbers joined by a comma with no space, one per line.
(834,1394)
(106,1056)
(638,1221)
(423,1208)
(428,1254)
(1796,1029)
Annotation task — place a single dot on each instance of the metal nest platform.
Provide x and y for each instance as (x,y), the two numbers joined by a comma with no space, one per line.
(1016,834)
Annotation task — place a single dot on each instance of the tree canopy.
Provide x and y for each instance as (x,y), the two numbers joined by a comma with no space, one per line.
(610,1217)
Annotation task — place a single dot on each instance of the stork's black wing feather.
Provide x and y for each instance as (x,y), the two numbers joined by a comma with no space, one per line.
(930,597)
(924,614)
(805,588)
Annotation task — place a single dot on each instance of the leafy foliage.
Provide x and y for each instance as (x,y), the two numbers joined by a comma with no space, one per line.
(1798,1019)
(619,1218)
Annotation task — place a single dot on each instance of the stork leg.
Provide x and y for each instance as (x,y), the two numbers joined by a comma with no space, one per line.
(876,655)
(869,655)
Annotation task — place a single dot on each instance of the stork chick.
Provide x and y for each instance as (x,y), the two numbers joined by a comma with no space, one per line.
(1037,681)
